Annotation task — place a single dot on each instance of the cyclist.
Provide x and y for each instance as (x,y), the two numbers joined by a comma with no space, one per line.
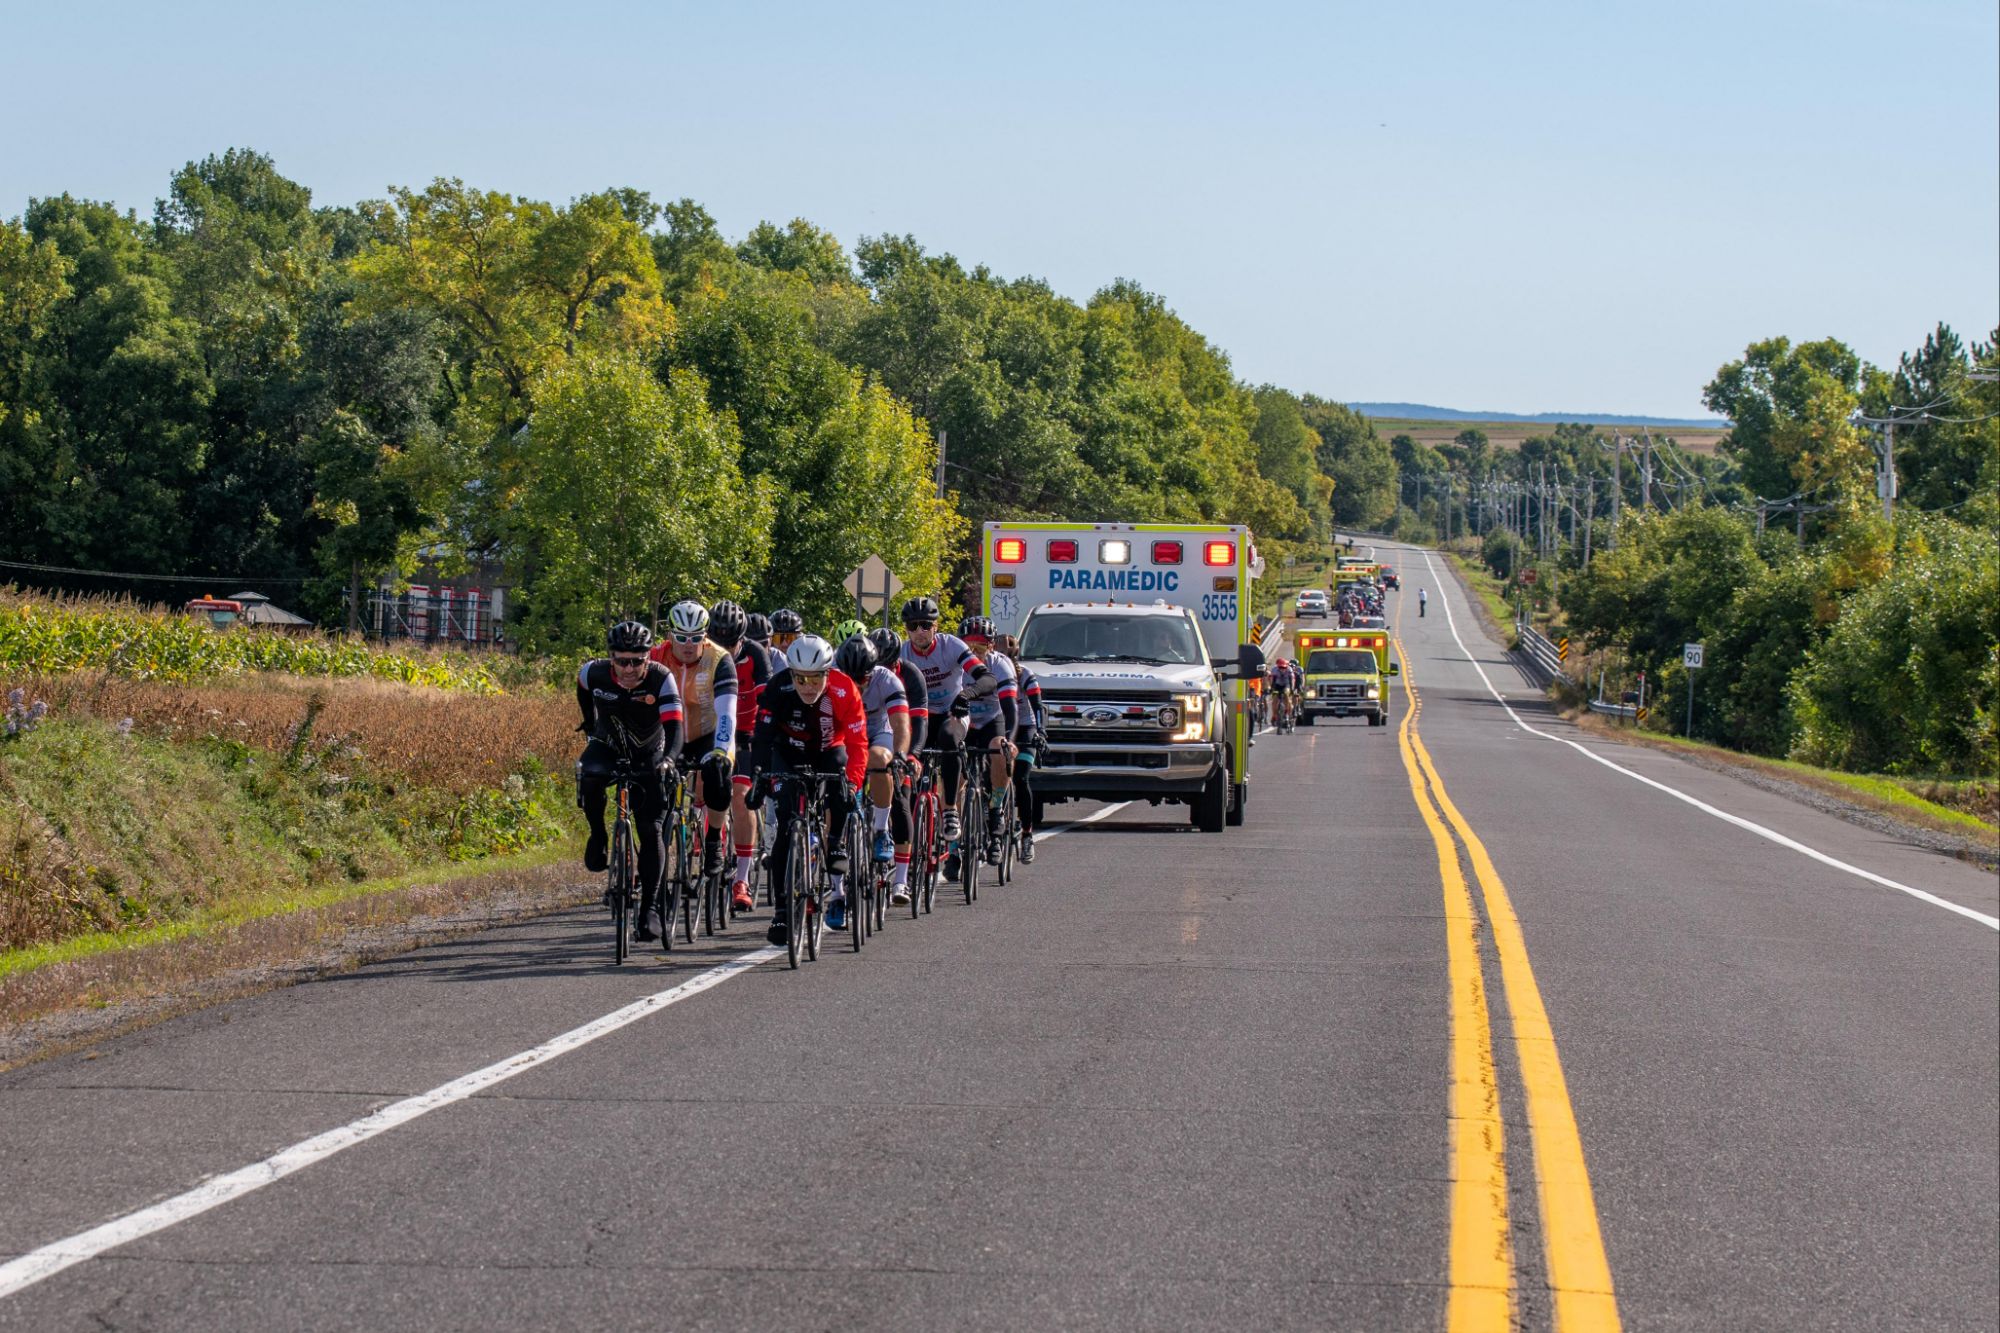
(632,711)
(728,628)
(946,664)
(889,655)
(758,631)
(810,721)
(888,710)
(705,674)
(786,626)
(1029,737)
(993,717)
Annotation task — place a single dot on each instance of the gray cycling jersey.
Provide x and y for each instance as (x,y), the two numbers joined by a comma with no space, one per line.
(943,668)
(882,694)
(985,709)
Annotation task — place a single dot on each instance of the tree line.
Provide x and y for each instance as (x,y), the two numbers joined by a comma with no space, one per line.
(607,396)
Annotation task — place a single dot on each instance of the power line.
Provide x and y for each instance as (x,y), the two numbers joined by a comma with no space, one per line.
(152,578)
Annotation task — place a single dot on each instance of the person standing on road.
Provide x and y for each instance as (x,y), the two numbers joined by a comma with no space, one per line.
(1423,601)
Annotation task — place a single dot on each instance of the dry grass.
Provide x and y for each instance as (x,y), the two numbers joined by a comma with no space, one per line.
(446,739)
(70,1003)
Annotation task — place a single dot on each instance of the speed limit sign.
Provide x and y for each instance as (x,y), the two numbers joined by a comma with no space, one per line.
(1691,656)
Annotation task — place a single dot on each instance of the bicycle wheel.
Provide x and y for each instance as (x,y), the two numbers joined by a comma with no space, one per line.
(1007,835)
(970,850)
(621,893)
(798,869)
(814,886)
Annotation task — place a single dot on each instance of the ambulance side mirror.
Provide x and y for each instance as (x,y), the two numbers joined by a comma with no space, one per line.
(1249,662)
(1395,668)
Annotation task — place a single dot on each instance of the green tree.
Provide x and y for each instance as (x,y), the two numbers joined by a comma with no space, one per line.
(797,247)
(1790,407)
(1908,679)
(635,495)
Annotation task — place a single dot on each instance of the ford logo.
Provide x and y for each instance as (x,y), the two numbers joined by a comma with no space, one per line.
(1101,715)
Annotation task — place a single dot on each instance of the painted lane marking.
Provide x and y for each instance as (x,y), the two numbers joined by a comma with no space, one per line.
(1770,835)
(18,1274)
(1579,1273)
(53,1258)
(1481,1255)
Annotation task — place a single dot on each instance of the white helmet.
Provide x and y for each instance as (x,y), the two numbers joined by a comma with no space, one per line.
(809,653)
(688,618)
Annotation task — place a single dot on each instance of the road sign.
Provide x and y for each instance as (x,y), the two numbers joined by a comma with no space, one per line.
(1640,716)
(873,584)
(1562,649)
(1691,656)
(1527,576)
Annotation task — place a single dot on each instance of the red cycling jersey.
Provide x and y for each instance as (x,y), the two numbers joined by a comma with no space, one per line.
(792,734)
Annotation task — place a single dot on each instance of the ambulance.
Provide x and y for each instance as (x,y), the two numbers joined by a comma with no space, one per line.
(1141,635)
(1347,674)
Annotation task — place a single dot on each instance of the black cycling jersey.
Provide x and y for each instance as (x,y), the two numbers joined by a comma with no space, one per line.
(919,699)
(650,711)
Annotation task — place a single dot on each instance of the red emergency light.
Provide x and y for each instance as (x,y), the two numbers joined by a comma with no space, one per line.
(1062,551)
(1010,550)
(1218,553)
(1166,553)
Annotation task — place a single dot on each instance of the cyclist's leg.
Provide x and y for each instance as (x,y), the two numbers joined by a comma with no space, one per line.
(951,772)
(649,813)
(593,775)
(711,792)
(778,870)
(901,827)
(881,798)
(743,828)
(1024,801)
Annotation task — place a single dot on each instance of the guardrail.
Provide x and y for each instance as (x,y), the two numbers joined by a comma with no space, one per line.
(1543,659)
(1614,710)
(1272,634)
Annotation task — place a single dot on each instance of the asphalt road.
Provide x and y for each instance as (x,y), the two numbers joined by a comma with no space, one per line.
(1162,1080)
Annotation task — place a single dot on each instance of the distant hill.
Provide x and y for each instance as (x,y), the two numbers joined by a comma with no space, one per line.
(1425,412)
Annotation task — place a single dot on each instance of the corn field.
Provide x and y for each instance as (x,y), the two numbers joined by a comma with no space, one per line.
(48,637)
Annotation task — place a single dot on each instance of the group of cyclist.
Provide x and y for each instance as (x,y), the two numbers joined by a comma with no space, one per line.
(742,703)
(1284,686)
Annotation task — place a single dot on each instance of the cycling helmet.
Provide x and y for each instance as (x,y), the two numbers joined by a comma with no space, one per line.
(787,621)
(688,618)
(809,653)
(757,628)
(629,636)
(726,623)
(976,629)
(888,645)
(855,658)
(848,629)
(919,609)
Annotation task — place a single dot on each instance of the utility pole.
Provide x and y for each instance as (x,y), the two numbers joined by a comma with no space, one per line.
(1589,518)
(1646,478)
(1885,461)
(940,466)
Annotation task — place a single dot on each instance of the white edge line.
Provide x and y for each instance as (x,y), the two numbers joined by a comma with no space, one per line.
(1771,835)
(1090,818)
(33,1267)
(18,1274)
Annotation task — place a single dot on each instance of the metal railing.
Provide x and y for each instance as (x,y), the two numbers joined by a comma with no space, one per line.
(1538,653)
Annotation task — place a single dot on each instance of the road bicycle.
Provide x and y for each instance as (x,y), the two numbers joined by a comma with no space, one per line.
(803,808)
(927,848)
(684,886)
(622,890)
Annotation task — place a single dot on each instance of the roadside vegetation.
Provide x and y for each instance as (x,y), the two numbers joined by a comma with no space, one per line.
(130,803)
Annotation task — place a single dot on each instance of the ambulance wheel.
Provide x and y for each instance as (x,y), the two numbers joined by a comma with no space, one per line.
(1210,810)
(1239,794)
(1305,719)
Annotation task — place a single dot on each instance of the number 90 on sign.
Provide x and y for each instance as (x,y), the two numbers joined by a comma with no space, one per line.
(1691,656)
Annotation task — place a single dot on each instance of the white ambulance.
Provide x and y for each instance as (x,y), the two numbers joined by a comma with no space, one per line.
(1141,635)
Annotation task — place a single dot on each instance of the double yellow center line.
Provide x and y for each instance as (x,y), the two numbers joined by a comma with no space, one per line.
(1481,1255)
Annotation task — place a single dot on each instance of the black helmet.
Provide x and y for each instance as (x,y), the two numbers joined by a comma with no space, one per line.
(787,621)
(726,623)
(977,628)
(757,628)
(629,636)
(919,609)
(855,659)
(888,645)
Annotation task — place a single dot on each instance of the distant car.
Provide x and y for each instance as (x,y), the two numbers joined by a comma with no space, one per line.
(1314,602)
(1389,578)
(1369,622)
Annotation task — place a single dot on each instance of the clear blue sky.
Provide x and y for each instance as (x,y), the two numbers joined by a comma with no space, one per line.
(1518,207)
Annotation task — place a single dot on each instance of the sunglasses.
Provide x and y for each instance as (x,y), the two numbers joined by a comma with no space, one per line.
(922,624)
(687,638)
(621,661)
(809,677)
